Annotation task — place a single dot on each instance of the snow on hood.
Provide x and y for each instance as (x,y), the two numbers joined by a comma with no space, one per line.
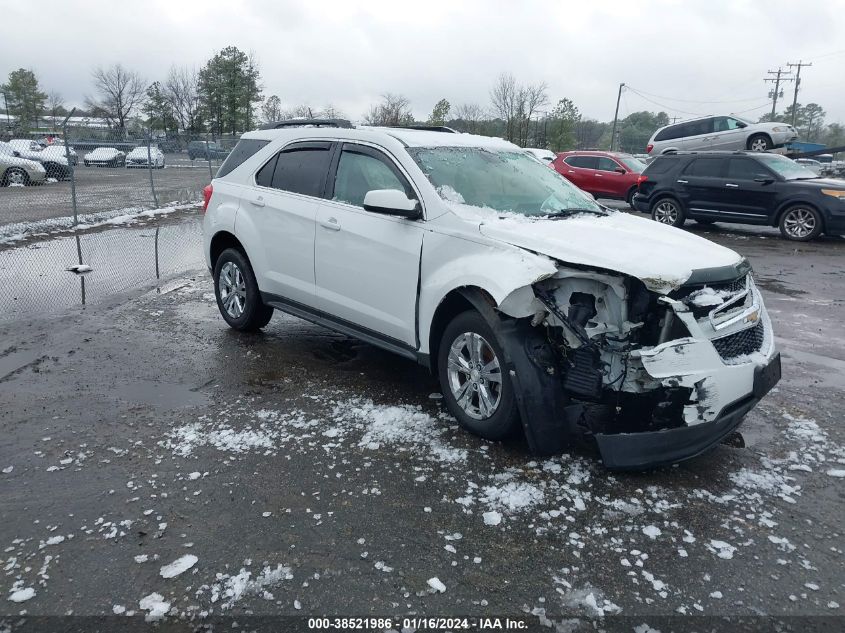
(102,152)
(661,256)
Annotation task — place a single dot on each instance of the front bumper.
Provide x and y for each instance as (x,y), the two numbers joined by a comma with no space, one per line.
(638,451)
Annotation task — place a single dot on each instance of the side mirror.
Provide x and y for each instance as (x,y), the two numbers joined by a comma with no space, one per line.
(391,202)
(17,154)
(740,124)
(766,180)
(619,170)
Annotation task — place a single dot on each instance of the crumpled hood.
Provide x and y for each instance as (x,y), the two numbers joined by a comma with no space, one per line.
(661,256)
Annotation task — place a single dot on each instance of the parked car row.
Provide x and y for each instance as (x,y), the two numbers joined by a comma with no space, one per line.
(16,171)
(54,159)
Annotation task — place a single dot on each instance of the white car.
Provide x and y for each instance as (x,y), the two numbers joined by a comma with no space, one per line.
(104,157)
(19,172)
(538,309)
(140,157)
(813,165)
(55,163)
(543,155)
(720,133)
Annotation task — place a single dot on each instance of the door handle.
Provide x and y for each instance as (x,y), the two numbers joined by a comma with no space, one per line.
(731,185)
(683,182)
(571,171)
(598,175)
(258,201)
(332,224)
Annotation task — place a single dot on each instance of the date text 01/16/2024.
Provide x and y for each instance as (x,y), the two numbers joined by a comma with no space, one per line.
(419,623)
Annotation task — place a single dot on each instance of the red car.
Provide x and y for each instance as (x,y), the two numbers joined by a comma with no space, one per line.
(603,174)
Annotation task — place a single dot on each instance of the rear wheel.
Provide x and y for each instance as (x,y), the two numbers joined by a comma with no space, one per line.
(667,211)
(759,143)
(476,388)
(800,223)
(238,297)
(16,176)
(629,197)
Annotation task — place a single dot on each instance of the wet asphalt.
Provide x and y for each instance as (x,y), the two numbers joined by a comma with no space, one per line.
(143,427)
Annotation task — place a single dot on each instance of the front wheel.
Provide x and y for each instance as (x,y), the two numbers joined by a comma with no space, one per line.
(476,386)
(800,223)
(16,176)
(760,143)
(668,211)
(238,297)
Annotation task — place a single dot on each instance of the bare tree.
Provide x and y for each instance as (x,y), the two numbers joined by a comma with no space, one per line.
(302,111)
(393,110)
(55,107)
(331,112)
(121,91)
(468,116)
(271,109)
(515,104)
(181,88)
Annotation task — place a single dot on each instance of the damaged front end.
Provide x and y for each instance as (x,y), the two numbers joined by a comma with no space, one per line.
(654,378)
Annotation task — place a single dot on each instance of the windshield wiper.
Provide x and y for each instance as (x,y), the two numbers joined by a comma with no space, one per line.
(563,213)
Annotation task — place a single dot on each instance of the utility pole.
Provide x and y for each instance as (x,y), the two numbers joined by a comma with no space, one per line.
(780,75)
(797,83)
(616,117)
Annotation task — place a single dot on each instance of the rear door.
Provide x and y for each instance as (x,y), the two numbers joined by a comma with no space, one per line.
(367,264)
(283,208)
(580,170)
(698,135)
(702,186)
(745,199)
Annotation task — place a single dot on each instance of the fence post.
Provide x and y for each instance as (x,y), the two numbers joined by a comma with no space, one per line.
(208,157)
(72,171)
(150,166)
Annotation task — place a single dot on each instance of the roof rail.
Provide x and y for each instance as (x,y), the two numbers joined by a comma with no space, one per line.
(277,125)
(427,128)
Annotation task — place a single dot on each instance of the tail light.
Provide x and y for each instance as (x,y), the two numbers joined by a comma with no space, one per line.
(648,148)
(206,197)
(641,179)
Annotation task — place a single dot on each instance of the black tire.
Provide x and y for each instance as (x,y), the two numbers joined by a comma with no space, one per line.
(759,143)
(800,223)
(253,315)
(16,175)
(629,198)
(660,212)
(504,421)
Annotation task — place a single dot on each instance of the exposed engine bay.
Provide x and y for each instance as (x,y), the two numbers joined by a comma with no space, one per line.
(643,361)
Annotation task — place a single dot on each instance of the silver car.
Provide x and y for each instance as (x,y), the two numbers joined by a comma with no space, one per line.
(726,133)
(17,171)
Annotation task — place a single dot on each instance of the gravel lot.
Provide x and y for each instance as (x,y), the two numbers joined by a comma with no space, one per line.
(298,472)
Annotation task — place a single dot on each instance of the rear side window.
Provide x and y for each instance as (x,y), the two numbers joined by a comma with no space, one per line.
(669,133)
(584,162)
(243,150)
(705,167)
(298,169)
(659,165)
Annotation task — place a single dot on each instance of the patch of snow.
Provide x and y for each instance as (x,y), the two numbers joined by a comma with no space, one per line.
(836,472)
(651,531)
(22,595)
(155,605)
(179,566)
(492,518)
(435,584)
(721,549)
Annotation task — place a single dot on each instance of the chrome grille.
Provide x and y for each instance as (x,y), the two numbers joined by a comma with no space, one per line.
(745,342)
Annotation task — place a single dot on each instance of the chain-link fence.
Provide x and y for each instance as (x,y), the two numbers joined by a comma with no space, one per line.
(121,211)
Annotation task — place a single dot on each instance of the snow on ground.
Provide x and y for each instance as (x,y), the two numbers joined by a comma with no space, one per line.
(19,231)
(179,566)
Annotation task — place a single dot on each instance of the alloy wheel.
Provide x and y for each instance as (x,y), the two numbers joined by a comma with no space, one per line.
(666,212)
(232,290)
(16,177)
(759,145)
(475,375)
(799,223)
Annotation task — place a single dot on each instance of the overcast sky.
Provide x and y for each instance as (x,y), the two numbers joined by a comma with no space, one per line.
(686,55)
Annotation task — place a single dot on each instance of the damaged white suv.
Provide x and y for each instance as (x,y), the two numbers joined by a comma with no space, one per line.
(536,307)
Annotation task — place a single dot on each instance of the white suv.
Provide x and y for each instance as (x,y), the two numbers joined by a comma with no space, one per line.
(536,307)
(726,133)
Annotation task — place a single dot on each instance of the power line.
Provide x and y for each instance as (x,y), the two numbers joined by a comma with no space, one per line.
(663,105)
(694,100)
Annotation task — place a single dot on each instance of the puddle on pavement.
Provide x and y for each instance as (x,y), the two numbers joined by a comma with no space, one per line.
(161,394)
(778,287)
(12,362)
(34,279)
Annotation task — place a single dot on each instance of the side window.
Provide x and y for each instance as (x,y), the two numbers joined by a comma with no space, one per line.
(243,150)
(722,124)
(302,169)
(607,164)
(264,177)
(705,167)
(659,165)
(669,133)
(697,128)
(745,169)
(582,162)
(361,171)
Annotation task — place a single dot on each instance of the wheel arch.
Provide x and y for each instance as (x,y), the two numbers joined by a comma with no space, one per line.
(220,242)
(454,303)
(754,134)
(786,206)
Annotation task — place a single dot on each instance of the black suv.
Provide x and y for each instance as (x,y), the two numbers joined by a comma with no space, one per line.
(744,188)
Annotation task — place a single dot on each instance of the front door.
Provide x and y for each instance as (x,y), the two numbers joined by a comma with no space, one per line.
(367,264)
(746,199)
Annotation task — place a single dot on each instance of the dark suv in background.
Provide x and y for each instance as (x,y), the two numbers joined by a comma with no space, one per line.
(743,188)
(206,150)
